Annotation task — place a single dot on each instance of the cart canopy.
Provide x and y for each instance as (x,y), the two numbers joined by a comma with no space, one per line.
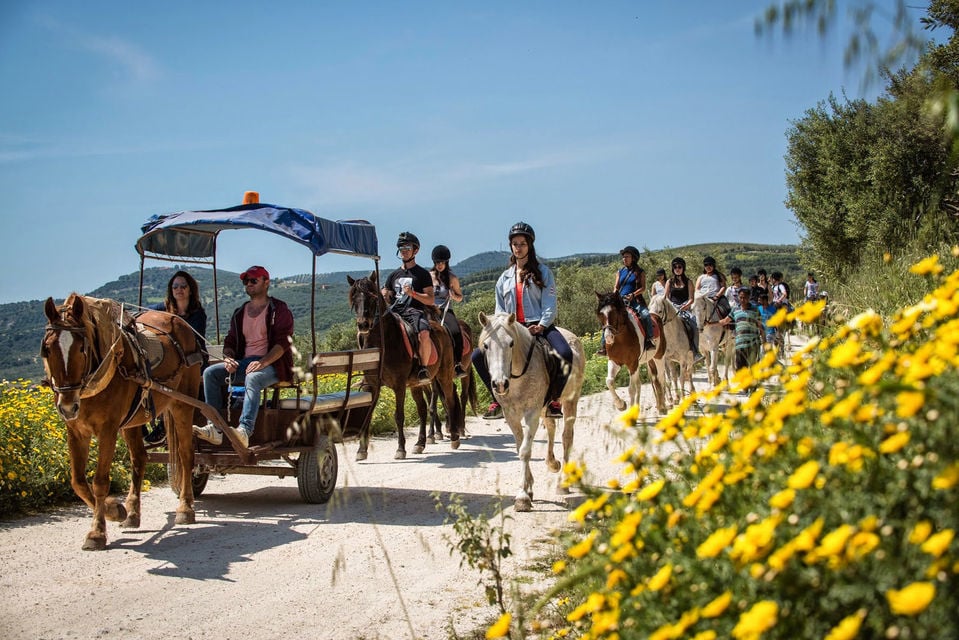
(191,235)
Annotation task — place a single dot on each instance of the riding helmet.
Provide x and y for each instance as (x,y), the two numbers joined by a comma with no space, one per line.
(522,229)
(709,261)
(631,250)
(407,238)
(441,253)
(679,262)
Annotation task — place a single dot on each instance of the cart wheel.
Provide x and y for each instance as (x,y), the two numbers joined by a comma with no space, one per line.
(316,472)
(199,481)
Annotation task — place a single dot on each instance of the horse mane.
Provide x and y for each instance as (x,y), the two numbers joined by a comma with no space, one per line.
(610,298)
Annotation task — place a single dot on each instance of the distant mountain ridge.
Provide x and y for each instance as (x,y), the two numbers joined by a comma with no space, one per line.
(21,323)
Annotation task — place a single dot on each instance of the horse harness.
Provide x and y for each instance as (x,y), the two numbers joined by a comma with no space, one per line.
(145,347)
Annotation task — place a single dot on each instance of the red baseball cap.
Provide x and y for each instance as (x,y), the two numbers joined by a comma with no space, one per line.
(256,271)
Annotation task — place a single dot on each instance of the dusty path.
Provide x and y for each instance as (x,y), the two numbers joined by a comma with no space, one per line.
(374,563)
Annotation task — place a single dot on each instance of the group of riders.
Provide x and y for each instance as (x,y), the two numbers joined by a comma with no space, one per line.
(527,289)
(255,355)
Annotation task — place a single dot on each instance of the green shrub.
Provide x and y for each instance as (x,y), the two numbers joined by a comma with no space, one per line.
(821,505)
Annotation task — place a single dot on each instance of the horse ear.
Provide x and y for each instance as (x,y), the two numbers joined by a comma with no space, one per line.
(50,309)
(483,319)
(350,280)
(77,307)
(599,296)
(511,319)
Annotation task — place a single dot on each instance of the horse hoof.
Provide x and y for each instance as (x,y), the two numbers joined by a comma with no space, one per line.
(94,544)
(185,517)
(399,455)
(455,444)
(620,406)
(430,440)
(523,504)
(115,512)
(132,522)
(360,455)
(417,449)
(553,465)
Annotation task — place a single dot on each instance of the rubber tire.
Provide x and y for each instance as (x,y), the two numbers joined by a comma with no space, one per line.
(316,472)
(199,481)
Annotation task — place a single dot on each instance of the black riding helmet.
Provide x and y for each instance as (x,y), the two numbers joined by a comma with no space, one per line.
(522,229)
(631,250)
(679,262)
(709,261)
(441,253)
(407,238)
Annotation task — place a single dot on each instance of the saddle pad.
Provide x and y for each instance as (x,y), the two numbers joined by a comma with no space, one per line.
(328,401)
(150,345)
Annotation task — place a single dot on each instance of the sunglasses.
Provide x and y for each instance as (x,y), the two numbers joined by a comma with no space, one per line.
(405,247)
(251,281)
(177,285)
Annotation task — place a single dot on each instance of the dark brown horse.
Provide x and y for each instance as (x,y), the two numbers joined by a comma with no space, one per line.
(467,393)
(95,367)
(399,372)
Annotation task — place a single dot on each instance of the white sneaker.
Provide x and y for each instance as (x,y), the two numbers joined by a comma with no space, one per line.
(244,438)
(209,433)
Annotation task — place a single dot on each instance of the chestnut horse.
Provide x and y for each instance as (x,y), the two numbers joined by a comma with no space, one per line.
(96,368)
(399,372)
(624,347)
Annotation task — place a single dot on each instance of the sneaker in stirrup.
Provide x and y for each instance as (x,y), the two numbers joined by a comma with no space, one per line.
(554,410)
(494,413)
(423,373)
(243,437)
(209,433)
(157,436)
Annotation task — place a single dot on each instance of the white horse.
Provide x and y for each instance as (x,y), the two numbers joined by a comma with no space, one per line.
(624,347)
(518,375)
(714,337)
(677,344)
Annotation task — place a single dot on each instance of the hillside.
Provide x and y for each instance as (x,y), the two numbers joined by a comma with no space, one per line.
(22,322)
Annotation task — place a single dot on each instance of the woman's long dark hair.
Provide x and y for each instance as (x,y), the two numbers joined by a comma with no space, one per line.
(194,302)
(444,275)
(531,270)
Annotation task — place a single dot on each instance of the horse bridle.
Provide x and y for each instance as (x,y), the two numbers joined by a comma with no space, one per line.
(529,358)
(45,351)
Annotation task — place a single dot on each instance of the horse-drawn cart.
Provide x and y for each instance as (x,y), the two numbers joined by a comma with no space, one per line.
(297,425)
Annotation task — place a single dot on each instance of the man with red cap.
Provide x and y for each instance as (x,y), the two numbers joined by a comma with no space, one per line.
(256,353)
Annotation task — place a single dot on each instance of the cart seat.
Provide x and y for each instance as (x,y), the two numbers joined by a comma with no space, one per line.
(328,401)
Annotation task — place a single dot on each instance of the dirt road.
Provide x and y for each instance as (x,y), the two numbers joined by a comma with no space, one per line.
(374,563)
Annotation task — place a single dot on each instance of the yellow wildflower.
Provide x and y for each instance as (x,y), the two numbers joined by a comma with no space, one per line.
(559,566)
(938,543)
(778,318)
(804,475)
(651,490)
(908,403)
(709,634)
(894,442)
(861,544)
(912,599)
(948,478)
(716,607)
(808,312)
(783,499)
(716,542)
(630,416)
(583,547)
(832,544)
(848,627)
(626,529)
(760,618)
(661,579)
(501,628)
(846,354)
(927,266)
(920,532)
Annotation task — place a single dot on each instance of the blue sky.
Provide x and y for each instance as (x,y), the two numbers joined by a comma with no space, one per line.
(601,124)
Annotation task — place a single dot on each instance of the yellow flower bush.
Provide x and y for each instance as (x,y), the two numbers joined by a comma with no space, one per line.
(824,506)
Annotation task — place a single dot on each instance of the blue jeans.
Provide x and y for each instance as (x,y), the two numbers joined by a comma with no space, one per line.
(215,377)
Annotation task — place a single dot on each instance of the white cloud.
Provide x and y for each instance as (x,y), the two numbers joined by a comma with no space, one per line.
(353,183)
(138,65)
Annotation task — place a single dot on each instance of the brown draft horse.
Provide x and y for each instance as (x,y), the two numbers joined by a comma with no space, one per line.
(624,347)
(467,393)
(95,369)
(371,310)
